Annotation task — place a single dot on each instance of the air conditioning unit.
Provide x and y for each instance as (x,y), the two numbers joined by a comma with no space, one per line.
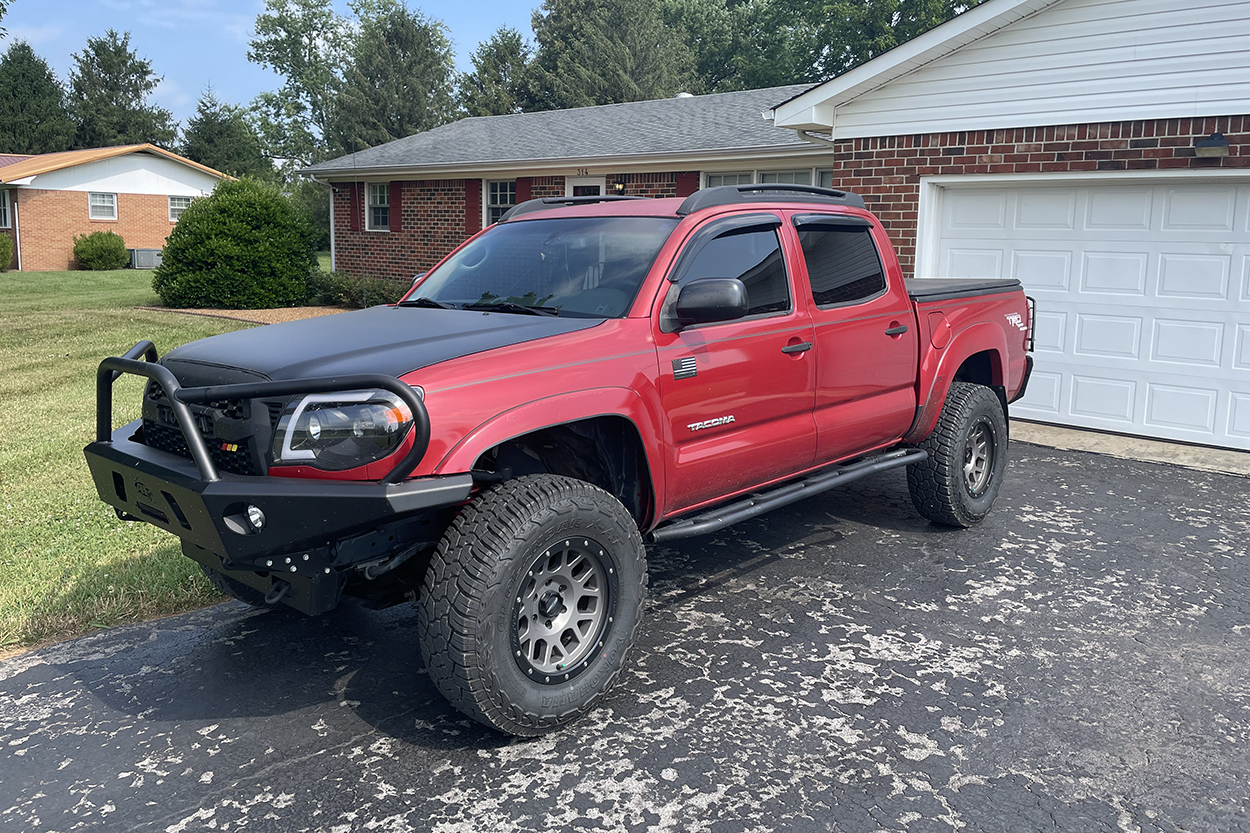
(145,258)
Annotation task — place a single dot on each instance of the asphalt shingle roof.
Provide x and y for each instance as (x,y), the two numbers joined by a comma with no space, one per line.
(712,123)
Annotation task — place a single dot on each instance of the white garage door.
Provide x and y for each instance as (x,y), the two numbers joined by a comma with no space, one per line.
(1143,299)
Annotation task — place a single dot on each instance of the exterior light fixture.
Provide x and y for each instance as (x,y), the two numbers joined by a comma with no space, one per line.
(619,187)
(1213,146)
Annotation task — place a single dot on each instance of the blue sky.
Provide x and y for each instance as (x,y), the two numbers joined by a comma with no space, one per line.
(194,43)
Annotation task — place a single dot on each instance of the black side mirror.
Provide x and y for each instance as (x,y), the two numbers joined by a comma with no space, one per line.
(705,300)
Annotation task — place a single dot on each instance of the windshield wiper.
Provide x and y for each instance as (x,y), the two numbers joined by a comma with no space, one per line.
(504,306)
(426,302)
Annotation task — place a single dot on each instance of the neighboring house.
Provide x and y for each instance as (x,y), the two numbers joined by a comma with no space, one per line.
(400,207)
(137,191)
(1069,143)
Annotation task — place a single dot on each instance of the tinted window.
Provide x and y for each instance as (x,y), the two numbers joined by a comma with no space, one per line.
(753,256)
(842,264)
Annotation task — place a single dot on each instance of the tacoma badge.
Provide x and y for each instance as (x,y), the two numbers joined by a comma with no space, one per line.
(710,423)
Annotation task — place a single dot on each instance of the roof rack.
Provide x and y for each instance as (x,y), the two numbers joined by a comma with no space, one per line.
(544,203)
(733,194)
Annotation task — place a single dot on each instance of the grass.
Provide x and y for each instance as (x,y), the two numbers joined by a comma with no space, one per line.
(323,261)
(67,564)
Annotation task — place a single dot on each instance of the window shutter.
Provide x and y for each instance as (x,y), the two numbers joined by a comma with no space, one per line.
(524,188)
(472,206)
(355,206)
(397,206)
(687,183)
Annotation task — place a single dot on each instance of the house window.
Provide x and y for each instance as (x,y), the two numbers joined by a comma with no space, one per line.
(102,206)
(826,179)
(500,196)
(787,177)
(716,180)
(4,209)
(177,205)
(379,211)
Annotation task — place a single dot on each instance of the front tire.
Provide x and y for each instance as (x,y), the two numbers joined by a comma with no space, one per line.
(957,484)
(531,603)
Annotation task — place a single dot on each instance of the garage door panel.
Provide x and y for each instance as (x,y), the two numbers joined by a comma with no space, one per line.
(1194,276)
(1108,336)
(1143,293)
(1183,342)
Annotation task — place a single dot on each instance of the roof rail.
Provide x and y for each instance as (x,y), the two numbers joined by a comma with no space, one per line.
(732,194)
(544,203)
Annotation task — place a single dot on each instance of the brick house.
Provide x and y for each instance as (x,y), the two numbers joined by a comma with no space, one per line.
(400,207)
(1100,152)
(137,191)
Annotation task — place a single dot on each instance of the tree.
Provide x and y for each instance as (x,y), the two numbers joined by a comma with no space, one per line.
(499,83)
(109,87)
(219,136)
(303,41)
(606,52)
(33,116)
(4,7)
(398,80)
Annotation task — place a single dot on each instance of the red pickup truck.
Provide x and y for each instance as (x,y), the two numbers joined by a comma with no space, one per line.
(584,377)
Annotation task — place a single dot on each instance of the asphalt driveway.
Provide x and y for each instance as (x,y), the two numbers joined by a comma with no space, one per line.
(1079,662)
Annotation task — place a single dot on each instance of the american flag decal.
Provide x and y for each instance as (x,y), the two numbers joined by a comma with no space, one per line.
(685,368)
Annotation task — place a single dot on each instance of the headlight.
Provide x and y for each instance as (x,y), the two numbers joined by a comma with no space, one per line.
(342,430)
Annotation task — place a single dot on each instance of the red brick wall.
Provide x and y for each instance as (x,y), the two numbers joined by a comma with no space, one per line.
(886,171)
(49,220)
(655,185)
(433,216)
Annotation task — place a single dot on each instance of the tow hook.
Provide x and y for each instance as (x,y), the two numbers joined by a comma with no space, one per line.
(280,588)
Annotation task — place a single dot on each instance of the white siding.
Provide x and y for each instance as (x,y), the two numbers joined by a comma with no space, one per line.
(1076,61)
(134,173)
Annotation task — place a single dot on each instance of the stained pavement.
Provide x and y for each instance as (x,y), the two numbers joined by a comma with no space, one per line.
(1079,662)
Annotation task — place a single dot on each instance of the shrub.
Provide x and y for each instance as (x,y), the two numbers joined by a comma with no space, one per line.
(6,251)
(100,250)
(342,289)
(242,247)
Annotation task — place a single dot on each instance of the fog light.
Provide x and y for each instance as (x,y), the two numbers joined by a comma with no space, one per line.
(255,517)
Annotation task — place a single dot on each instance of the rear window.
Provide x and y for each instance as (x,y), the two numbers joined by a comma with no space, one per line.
(842,264)
(581,266)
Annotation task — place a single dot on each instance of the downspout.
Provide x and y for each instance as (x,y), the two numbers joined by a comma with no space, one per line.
(815,138)
(333,254)
(17,227)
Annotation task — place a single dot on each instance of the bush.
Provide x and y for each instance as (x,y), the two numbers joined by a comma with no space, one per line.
(6,251)
(342,289)
(100,250)
(243,247)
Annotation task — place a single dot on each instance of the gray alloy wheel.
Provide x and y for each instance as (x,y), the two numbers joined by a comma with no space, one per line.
(957,484)
(531,603)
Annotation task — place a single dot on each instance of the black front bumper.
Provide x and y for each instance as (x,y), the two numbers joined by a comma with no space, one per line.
(167,491)
(304,522)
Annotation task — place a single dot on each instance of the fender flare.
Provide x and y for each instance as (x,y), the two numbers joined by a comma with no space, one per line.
(561,409)
(940,371)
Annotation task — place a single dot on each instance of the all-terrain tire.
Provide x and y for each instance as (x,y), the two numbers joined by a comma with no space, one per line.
(531,603)
(957,484)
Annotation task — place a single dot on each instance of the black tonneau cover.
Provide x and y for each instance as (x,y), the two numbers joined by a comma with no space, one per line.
(945,289)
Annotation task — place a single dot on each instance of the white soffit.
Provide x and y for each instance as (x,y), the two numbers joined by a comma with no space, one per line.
(814,109)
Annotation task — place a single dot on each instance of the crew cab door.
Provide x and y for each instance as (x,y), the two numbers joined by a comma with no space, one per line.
(866,342)
(738,395)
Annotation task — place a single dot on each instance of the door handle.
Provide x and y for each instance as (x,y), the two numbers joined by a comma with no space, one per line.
(797,348)
(896,331)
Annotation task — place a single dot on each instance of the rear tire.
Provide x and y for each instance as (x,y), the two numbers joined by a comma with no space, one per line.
(957,484)
(531,603)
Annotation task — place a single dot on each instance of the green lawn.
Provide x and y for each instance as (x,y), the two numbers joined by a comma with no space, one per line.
(67,564)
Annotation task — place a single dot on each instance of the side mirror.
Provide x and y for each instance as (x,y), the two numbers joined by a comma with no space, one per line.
(705,300)
(416,278)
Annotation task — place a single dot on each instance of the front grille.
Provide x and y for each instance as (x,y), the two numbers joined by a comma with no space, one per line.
(165,438)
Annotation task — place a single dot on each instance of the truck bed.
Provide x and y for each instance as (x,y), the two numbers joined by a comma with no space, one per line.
(924,290)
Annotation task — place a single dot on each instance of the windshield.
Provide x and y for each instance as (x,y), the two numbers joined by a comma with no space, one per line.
(577,266)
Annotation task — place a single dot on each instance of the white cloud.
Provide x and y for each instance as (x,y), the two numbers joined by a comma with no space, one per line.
(34,35)
(171,95)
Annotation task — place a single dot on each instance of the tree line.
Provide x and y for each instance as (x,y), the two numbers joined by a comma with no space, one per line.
(387,71)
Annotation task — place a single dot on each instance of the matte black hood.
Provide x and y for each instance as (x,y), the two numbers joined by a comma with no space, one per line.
(390,340)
